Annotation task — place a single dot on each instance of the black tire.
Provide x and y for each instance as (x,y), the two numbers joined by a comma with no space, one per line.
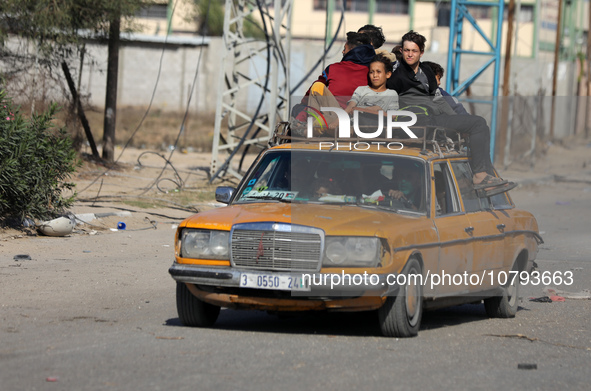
(400,316)
(192,311)
(505,305)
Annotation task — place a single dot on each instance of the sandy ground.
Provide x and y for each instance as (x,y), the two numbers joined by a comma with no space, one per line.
(142,190)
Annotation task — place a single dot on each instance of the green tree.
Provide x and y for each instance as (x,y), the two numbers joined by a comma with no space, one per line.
(209,16)
(36,160)
(56,27)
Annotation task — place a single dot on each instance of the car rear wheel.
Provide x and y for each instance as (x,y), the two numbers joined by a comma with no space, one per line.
(192,311)
(400,316)
(505,305)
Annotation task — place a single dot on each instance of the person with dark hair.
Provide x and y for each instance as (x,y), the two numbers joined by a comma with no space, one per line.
(397,52)
(407,181)
(342,78)
(437,70)
(375,97)
(337,83)
(377,38)
(452,101)
(416,86)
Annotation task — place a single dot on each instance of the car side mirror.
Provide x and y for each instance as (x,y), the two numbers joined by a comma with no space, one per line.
(224,194)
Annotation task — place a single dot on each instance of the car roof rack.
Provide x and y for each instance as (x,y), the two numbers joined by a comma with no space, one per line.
(437,139)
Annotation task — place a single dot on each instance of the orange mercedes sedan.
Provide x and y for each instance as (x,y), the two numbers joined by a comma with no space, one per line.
(354,226)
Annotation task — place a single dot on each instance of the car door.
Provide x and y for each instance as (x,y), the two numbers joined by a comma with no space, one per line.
(502,209)
(455,249)
(485,224)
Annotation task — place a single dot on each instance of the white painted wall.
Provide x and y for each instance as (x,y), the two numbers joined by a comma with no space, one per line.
(139,65)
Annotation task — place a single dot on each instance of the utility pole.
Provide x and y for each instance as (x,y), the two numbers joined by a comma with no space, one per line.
(506,84)
(555,73)
(588,73)
(111,95)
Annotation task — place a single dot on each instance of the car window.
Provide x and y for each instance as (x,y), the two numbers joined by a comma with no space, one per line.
(364,179)
(446,197)
(500,201)
(465,185)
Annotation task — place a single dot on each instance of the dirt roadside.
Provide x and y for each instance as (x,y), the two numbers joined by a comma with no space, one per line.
(142,191)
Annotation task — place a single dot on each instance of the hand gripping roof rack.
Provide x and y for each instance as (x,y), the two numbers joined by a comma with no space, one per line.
(438,139)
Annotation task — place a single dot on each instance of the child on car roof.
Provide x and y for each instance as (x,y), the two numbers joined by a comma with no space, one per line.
(375,97)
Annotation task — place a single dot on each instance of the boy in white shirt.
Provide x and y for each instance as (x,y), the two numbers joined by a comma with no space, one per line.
(375,96)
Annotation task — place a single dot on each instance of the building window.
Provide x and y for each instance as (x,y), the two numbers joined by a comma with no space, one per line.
(382,6)
(153,11)
(526,14)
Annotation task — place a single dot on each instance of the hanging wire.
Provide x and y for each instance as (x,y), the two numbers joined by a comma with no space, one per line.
(282,57)
(179,182)
(145,113)
(224,166)
(321,59)
(173,149)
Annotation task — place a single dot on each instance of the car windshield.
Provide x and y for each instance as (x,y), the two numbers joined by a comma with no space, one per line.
(364,179)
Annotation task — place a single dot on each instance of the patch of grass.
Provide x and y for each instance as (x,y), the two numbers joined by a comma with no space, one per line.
(159,129)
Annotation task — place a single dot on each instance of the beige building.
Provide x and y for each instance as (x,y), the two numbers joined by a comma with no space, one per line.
(534,33)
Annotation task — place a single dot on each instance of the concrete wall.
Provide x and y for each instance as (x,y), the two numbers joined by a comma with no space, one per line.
(144,67)
(175,66)
(139,70)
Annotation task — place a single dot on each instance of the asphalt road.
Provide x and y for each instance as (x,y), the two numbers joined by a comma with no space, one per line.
(98,313)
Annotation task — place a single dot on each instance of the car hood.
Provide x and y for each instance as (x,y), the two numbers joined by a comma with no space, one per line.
(333,219)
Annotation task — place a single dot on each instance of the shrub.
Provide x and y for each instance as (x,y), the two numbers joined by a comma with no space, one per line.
(36,160)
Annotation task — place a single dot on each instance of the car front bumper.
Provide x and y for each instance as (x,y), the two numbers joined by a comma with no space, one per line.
(223,280)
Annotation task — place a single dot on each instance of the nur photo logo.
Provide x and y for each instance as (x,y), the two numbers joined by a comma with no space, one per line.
(344,122)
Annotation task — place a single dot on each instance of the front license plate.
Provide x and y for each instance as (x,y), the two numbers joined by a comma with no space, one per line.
(283,282)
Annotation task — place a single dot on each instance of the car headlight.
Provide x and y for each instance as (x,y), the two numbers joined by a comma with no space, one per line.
(351,251)
(205,244)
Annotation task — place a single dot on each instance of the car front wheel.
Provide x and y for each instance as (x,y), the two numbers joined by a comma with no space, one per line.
(400,316)
(192,311)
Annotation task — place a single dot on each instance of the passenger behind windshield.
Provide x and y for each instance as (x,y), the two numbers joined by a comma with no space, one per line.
(404,186)
(407,184)
(329,177)
(324,187)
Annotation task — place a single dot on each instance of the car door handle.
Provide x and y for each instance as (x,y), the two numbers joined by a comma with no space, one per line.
(469,230)
(500,227)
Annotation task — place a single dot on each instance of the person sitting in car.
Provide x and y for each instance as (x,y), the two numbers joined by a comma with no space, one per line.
(407,184)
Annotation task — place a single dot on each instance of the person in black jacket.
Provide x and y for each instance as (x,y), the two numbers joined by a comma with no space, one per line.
(451,100)
(416,86)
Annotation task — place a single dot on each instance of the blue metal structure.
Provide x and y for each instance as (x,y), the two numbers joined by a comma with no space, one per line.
(459,14)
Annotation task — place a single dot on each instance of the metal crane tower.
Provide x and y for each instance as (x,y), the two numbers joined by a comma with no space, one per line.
(253,89)
(459,14)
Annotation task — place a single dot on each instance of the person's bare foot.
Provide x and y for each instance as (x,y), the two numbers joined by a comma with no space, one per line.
(479,177)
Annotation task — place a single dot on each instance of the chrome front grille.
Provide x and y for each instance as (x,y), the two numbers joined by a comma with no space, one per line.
(274,246)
